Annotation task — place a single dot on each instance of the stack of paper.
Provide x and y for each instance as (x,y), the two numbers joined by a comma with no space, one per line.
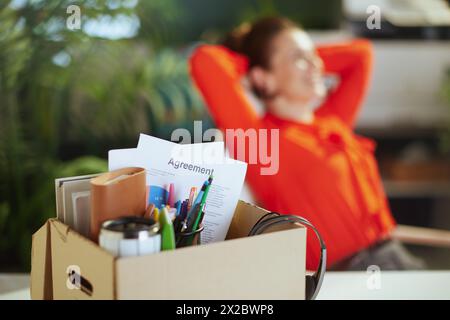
(187,166)
(73,203)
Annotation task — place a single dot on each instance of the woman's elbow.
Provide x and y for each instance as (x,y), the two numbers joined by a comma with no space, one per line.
(365,51)
(197,60)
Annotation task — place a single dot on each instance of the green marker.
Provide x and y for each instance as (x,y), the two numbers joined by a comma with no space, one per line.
(167,232)
(202,206)
(200,210)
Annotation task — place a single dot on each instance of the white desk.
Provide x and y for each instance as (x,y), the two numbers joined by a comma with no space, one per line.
(14,286)
(336,285)
(401,285)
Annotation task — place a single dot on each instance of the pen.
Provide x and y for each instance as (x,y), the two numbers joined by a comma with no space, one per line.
(183,212)
(177,224)
(156,214)
(178,207)
(191,197)
(201,208)
(191,219)
(192,225)
(200,194)
(202,215)
(179,220)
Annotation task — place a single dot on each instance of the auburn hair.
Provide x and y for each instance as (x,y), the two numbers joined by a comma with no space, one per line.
(255,40)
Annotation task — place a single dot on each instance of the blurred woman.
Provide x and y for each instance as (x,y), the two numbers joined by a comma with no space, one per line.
(326,173)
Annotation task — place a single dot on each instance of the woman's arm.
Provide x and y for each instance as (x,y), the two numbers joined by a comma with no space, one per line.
(352,62)
(217,72)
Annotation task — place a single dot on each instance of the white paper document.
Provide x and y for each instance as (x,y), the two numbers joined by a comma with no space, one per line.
(187,166)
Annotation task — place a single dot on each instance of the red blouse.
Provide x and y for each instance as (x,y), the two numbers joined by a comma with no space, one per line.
(327,173)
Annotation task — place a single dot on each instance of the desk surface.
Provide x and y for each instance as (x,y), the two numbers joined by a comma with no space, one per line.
(336,285)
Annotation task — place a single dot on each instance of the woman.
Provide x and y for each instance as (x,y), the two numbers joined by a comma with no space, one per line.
(326,173)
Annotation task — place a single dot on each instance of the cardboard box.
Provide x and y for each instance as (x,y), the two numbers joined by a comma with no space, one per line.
(267,266)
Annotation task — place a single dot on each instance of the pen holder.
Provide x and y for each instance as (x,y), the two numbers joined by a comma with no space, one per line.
(186,239)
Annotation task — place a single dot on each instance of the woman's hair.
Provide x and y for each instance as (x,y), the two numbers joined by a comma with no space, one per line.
(254,40)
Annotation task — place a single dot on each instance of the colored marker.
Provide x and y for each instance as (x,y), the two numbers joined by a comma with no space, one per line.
(200,194)
(171,197)
(178,207)
(201,209)
(191,197)
(156,214)
(167,232)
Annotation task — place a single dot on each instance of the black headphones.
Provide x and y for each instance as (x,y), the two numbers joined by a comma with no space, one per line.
(314,282)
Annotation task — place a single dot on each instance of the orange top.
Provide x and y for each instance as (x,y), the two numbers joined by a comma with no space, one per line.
(327,173)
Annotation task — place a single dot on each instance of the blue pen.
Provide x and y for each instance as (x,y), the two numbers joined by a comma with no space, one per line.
(182,216)
(200,194)
(178,207)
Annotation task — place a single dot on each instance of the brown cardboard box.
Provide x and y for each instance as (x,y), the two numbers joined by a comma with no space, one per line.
(268,266)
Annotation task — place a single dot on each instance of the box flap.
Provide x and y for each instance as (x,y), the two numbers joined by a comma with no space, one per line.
(245,217)
(91,267)
(41,264)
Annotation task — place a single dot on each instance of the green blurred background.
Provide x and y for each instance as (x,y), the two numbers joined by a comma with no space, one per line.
(67,97)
